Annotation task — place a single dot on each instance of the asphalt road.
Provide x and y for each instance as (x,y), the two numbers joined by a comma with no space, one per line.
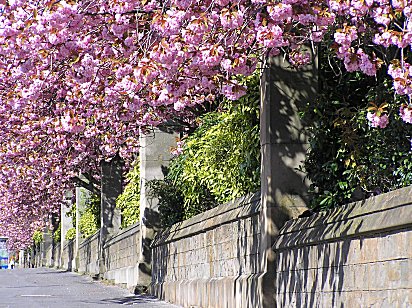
(49,288)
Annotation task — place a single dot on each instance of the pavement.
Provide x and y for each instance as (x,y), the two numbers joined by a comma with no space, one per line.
(50,288)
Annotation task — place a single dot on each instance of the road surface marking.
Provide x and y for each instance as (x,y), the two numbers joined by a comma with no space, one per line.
(36,295)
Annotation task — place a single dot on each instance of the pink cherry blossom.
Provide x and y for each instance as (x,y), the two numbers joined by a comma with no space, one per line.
(406,113)
(81,79)
(377,121)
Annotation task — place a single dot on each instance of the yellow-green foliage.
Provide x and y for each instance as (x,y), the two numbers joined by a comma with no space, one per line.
(89,221)
(88,224)
(71,234)
(129,200)
(37,237)
(57,233)
(221,159)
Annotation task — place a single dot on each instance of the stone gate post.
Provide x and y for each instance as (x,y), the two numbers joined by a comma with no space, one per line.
(82,195)
(283,146)
(66,224)
(47,246)
(110,216)
(155,148)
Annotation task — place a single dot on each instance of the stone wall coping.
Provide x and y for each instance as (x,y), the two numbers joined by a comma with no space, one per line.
(382,213)
(90,239)
(125,233)
(242,207)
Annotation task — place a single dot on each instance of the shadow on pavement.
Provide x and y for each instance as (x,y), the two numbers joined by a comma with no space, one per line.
(53,272)
(138,299)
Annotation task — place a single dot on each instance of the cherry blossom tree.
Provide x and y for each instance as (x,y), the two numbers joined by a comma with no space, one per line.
(79,80)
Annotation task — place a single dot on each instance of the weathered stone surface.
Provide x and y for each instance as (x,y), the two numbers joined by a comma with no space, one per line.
(364,260)
(356,256)
(214,260)
(89,255)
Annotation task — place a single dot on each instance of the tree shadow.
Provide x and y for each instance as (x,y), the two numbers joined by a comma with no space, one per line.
(312,258)
(88,255)
(134,299)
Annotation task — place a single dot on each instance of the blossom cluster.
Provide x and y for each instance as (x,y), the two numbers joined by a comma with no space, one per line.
(376,34)
(79,80)
(377,121)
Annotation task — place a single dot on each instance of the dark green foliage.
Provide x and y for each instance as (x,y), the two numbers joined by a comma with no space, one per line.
(170,201)
(72,214)
(347,159)
(57,234)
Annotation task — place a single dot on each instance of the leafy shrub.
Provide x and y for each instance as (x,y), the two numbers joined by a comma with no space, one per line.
(347,159)
(220,160)
(71,234)
(89,221)
(129,200)
(37,237)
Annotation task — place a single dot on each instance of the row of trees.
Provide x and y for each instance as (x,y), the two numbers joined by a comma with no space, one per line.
(80,80)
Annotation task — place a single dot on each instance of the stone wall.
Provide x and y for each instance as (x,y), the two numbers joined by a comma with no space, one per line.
(67,256)
(52,255)
(359,255)
(56,253)
(210,260)
(122,256)
(88,255)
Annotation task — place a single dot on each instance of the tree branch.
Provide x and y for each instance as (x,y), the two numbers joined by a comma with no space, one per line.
(90,184)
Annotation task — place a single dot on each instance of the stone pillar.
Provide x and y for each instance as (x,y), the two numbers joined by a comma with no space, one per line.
(110,216)
(82,195)
(66,224)
(283,146)
(22,262)
(47,246)
(155,148)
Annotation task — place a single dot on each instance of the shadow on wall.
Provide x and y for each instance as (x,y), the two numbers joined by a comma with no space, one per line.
(284,139)
(247,254)
(285,92)
(70,254)
(216,252)
(88,254)
(356,255)
(151,220)
(309,270)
